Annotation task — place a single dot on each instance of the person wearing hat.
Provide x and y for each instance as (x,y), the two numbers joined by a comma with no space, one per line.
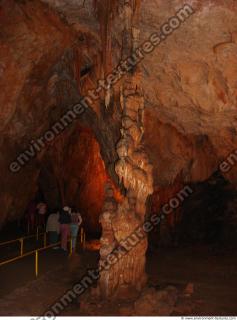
(65,220)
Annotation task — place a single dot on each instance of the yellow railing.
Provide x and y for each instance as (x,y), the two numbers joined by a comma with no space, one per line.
(36,251)
(37,234)
(83,238)
(21,240)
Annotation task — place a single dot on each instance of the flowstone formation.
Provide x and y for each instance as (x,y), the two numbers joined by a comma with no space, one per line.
(127,277)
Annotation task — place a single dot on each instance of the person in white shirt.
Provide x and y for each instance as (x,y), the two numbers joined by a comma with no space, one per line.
(53,227)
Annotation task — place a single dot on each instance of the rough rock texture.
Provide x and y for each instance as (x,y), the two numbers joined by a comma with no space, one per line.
(156,303)
(45,69)
(150,302)
(190,122)
(135,173)
(192,100)
(181,112)
(32,39)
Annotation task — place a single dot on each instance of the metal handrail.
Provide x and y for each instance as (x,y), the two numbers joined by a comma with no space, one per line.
(36,251)
(24,237)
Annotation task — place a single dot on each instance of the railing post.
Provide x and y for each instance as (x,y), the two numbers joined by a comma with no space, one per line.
(84,240)
(45,239)
(70,246)
(81,235)
(36,263)
(37,233)
(22,244)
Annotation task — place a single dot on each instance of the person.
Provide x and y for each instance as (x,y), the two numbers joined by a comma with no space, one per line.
(53,227)
(41,209)
(65,220)
(76,221)
(31,215)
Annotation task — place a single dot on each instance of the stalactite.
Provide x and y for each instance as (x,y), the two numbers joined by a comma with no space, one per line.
(105,10)
(58,149)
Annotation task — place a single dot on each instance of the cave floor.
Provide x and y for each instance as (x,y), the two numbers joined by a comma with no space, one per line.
(211,271)
(212,276)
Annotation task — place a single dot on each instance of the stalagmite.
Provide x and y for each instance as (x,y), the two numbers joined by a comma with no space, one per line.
(127,277)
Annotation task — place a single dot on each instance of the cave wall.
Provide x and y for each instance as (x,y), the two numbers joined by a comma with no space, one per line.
(32,39)
(42,63)
(191,104)
(190,108)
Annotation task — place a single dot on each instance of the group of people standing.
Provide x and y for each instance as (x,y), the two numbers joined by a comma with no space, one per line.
(64,222)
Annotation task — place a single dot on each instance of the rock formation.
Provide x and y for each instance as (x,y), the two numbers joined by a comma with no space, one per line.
(135,173)
(168,122)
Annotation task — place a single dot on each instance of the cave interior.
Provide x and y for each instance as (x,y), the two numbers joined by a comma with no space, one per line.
(146,154)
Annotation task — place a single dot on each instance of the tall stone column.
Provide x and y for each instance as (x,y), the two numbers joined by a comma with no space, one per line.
(127,277)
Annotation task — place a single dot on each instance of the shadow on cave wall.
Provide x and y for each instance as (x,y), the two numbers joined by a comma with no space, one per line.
(207,217)
(210,214)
